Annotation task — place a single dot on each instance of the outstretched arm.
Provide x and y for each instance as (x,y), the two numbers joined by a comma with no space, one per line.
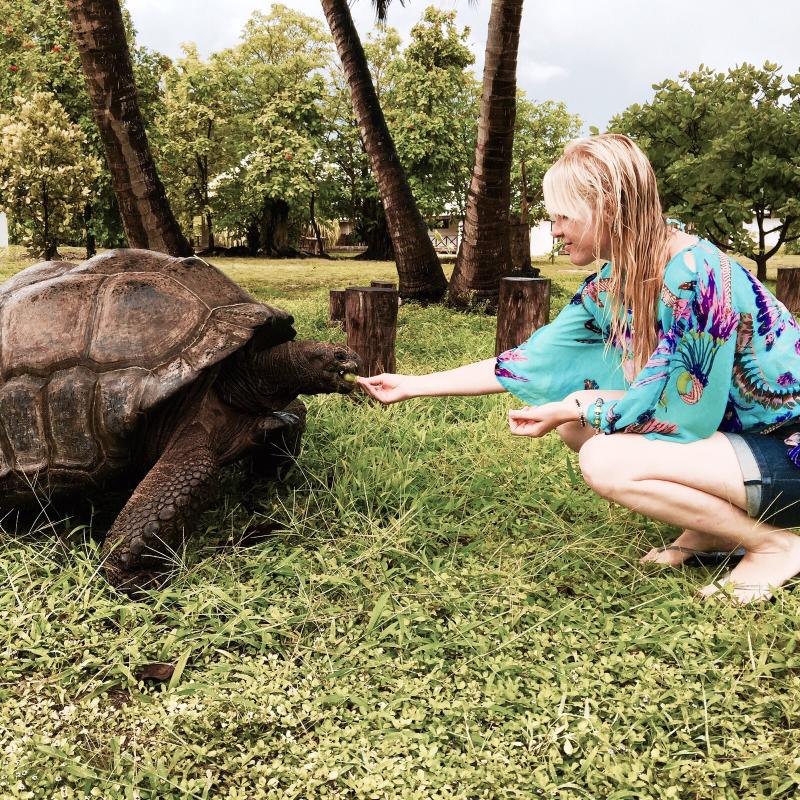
(471,379)
(565,356)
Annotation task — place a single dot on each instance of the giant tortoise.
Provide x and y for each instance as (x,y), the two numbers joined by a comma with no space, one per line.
(135,367)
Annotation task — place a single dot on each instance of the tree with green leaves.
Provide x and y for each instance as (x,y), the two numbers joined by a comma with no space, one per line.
(350,191)
(44,171)
(37,54)
(275,79)
(724,148)
(430,97)
(281,170)
(541,132)
(432,102)
(198,135)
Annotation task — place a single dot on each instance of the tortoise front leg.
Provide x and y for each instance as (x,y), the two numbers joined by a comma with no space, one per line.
(277,442)
(159,516)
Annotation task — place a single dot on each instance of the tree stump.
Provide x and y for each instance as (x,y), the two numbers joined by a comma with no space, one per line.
(522,307)
(371,322)
(336,307)
(788,289)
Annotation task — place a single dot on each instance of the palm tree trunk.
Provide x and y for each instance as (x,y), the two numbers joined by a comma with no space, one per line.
(485,253)
(100,37)
(420,274)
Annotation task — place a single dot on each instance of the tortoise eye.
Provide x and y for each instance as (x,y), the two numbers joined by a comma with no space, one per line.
(340,355)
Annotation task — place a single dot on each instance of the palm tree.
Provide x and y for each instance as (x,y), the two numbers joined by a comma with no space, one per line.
(146,215)
(485,255)
(420,274)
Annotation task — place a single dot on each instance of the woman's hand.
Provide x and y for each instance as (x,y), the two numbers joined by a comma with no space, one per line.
(388,387)
(538,420)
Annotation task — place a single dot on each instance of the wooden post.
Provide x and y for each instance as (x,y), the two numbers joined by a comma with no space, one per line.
(371,321)
(522,307)
(336,307)
(788,288)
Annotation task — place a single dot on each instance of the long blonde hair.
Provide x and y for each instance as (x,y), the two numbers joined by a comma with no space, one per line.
(609,180)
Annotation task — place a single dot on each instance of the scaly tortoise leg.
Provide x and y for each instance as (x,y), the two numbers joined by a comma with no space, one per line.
(160,513)
(274,446)
(277,442)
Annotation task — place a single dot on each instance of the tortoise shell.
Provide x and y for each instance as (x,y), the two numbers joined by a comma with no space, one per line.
(87,349)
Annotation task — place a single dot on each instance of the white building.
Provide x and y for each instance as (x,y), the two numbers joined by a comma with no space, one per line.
(446,235)
(542,238)
(3,230)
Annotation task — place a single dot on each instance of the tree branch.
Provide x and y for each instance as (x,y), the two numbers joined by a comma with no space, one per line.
(782,238)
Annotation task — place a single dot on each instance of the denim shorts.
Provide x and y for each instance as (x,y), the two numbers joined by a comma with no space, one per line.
(771,480)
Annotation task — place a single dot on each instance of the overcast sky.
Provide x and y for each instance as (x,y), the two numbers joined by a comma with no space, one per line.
(598,56)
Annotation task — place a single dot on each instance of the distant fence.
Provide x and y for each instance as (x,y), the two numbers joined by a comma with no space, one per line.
(221,239)
(310,244)
(444,243)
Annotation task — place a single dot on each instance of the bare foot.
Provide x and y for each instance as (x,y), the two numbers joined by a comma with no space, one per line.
(685,546)
(759,573)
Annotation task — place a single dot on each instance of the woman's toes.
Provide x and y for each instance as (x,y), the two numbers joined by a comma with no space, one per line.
(758,574)
(669,556)
(688,544)
(651,556)
(744,595)
(718,587)
(738,594)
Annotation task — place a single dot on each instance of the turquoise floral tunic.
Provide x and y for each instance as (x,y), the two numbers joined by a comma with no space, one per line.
(728,355)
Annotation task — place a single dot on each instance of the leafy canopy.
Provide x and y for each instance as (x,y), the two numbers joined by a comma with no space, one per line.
(431,102)
(37,55)
(275,80)
(198,132)
(724,148)
(542,131)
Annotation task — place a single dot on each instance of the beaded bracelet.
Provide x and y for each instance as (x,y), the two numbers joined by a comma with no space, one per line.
(598,407)
(581,417)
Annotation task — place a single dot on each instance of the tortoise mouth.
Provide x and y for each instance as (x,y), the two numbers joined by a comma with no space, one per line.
(346,376)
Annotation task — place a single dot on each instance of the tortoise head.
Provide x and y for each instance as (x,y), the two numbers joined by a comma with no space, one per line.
(324,367)
(261,379)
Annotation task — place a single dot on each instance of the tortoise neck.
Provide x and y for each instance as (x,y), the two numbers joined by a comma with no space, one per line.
(259,382)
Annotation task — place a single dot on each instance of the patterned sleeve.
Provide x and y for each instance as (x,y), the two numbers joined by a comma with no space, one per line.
(682,392)
(565,356)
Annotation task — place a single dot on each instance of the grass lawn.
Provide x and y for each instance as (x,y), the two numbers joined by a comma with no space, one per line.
(428,607)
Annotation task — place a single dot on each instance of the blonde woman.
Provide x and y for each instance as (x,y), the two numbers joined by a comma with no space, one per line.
(673,372)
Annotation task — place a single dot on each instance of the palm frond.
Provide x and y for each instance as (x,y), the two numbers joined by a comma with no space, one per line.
(382,8)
